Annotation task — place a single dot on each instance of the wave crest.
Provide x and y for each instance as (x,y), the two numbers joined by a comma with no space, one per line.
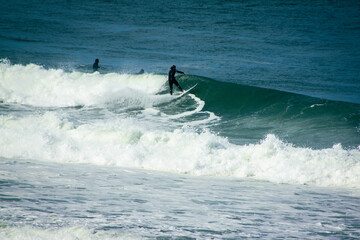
(126,143)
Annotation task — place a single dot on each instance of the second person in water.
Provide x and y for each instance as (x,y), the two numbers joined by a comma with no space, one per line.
(172,79)
(96,66)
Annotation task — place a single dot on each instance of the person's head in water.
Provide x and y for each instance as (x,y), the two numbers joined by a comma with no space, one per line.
(173,67)
(96,65)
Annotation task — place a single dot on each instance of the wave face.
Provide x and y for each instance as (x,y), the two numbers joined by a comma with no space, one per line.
(221,129)
(248,113)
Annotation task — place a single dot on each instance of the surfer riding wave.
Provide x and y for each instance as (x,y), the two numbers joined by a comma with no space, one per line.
(172,79)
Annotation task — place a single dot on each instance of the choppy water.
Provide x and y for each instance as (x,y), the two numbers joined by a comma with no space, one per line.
(97,202)
(266,146)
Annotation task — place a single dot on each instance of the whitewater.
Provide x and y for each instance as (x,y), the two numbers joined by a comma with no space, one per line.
(118,120)
(267,146)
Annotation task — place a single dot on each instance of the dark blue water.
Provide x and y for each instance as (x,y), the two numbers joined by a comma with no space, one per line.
(307,47)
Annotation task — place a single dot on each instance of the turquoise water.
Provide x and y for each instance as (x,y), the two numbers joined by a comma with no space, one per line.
(266,146)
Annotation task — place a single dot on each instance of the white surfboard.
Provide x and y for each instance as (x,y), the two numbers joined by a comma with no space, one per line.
(186,92)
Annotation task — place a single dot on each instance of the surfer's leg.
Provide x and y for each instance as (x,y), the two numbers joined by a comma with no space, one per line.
(171,87)
(178,85)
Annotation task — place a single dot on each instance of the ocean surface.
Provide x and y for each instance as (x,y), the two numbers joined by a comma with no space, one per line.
(267,146)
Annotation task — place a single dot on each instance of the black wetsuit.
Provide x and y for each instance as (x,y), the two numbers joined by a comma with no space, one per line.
(96,66)
(172,80)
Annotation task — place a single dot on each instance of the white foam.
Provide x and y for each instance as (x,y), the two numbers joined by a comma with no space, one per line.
(199,107)
(37,86)
(29,233)
(130,143)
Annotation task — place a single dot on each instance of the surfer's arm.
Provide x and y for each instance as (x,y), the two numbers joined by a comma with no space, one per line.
(180,72)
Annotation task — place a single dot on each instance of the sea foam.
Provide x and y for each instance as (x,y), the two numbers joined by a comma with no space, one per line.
(27,232)
(34,85)
(128,143)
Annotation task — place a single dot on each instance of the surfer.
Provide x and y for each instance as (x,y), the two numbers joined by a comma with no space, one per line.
(172,79)
(96,65)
